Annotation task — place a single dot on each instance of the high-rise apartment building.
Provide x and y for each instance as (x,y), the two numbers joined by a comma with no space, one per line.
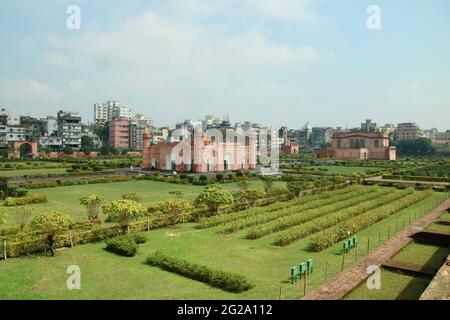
(111,110)
(406,131)
(69,129)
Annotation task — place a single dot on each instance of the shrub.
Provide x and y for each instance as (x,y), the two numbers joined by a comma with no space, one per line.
(219,177)
(92,203)
(175,211)
(134,196)
(28,199)
(50,222)
(213,197)
(122,245)
(179,193)
(122,211)
(224,280)
(15,191)
(203,178)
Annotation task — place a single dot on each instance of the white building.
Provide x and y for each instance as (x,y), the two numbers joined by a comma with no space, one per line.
(111,110)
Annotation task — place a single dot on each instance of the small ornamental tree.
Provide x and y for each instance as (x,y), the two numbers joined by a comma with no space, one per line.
(252,195)
(213,197)
(50,222)
(134,196)
(23,215)
(296,187)
(175,211)
(122,211)
(92,202)
(68,150)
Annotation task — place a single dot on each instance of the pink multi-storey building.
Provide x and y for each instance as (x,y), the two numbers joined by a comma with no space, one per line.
(119,133)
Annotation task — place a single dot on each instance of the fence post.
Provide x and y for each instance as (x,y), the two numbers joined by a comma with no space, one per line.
(326,271)
(389,232)
(305,283)
(281,294)
(379,237)
(396,226)
(343,262)
(4,250)
(70,237)
(409,217)
(368,245)
(403,223)
(356,252)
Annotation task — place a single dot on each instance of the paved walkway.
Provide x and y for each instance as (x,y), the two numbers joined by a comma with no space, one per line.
(337,287)
(412,182)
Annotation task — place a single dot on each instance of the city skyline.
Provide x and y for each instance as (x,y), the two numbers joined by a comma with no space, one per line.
(271,64)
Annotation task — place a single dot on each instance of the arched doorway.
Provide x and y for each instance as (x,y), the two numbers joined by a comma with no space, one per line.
(26,150)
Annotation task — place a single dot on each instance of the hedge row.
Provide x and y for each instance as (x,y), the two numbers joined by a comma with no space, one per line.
(220,279)
(226,218)
(298,232)
(301,217)
(341,231)
(28,199)
(415,178)
(288,213)
(72,182)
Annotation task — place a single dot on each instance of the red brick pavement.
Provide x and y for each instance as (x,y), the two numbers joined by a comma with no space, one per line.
(337,287)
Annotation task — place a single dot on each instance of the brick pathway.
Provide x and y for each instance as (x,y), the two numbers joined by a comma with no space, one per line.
(337,287)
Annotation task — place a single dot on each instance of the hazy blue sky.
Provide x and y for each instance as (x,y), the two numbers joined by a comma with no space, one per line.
(281,62)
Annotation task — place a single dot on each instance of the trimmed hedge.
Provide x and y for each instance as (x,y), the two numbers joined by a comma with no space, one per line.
(28,199)
(123,245)
(298,217)
(73,182)
(341,231)
(308,210)
(298,232)
(220,279)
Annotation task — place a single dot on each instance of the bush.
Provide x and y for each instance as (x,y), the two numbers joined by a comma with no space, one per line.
(123,245)
(50,222)
(31,198)
(134,196)
(224,280)
(203,178)
(14,191)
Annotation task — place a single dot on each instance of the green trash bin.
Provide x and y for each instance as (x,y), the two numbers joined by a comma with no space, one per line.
(350,244)
(294,274)
(355,241)
(310,265)
(346,246)
(302,269)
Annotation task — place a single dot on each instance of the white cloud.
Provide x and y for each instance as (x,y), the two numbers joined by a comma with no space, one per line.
(167,58)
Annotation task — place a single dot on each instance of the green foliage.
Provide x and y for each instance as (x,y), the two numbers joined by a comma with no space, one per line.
(252,195)
(122,245)
(50,222)
(92,202)
(122,211)
(300,231)
(87,145)
(341,231)
(416,147)
(224,280)
(178,193)
(23,216)
(213,197)
(15,191)
(296,187)
(68,150)
(134,196)
(28,199)
(175,211)
(219,177)
(3,217)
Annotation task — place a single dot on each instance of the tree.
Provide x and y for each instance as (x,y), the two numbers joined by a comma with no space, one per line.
(213,197)
(243,183)
(105,150)
(296,187)
(50,222)
(23,215)
(68,150)
(115,151)
(219,177)
(87,144)
(122,211)
(269,182)
(124,152)
(415,147)
(92,202)
(134,196)
(175,211)
(252,195)
(101,129)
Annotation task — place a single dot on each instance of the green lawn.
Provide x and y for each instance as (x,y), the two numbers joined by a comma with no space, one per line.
(105,275)
(346,170)
(66,199)
(21,173)
(395,285)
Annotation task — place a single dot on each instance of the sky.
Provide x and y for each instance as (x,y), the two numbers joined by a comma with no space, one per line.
(278,63)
